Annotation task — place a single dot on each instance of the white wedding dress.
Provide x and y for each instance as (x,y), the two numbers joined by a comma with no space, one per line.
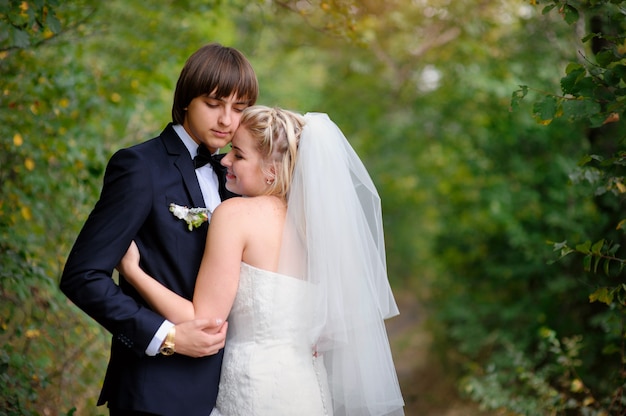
(331,295)
(269,367)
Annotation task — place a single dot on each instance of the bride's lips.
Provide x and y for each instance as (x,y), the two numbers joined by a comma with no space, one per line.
(229,176)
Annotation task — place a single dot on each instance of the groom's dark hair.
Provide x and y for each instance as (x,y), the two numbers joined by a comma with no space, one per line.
(214,69)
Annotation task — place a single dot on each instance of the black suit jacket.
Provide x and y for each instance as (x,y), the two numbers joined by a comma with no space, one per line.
(139,184)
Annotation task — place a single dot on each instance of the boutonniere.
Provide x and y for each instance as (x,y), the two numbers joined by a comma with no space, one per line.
(194,217)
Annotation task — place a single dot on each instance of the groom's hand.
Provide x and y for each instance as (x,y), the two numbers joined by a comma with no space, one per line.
(200,337)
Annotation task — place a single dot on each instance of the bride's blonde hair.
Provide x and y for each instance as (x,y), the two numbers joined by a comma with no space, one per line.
(277,132)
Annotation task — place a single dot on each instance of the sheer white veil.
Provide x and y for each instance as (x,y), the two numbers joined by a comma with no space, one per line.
(334,239)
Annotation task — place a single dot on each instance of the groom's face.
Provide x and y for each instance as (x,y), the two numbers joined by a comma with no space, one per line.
(212,121)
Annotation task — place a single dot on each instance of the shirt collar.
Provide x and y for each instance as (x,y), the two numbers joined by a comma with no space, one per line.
(189,143)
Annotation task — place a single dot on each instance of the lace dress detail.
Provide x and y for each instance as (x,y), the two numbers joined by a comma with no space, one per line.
(269,367)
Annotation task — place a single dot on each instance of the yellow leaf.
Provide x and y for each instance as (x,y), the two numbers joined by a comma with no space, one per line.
(577,386)
(116,98)
(32,333)
(603,295)
(588,400)
(64,102)
(18,140)
(621,187)
(29,163)
(24,6)
(26,214)
(612,118)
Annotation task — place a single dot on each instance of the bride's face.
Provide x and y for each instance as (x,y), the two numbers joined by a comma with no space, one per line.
(245,174)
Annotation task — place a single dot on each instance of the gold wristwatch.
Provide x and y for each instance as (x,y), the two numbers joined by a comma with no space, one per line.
(167,348)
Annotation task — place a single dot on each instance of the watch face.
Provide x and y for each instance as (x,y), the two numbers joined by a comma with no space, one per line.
(167,350)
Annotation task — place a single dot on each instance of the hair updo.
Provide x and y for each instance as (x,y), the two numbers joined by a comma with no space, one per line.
(277,133)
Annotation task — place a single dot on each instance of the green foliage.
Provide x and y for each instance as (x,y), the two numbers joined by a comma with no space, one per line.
(551,388)
(27,23)
(43,97)
(592,88)
(584,372)
(70,95)
(471,187)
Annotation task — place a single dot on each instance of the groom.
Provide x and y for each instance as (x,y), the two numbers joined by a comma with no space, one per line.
(144,375)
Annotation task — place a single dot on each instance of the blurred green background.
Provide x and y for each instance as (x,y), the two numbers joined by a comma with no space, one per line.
(463,114)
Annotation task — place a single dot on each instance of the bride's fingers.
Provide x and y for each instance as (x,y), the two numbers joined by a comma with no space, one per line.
(211,326)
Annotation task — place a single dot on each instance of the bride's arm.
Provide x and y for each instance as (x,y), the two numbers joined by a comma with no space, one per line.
(166,302)
(218,277)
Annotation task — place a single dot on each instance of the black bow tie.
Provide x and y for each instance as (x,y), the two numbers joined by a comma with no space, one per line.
(204,156)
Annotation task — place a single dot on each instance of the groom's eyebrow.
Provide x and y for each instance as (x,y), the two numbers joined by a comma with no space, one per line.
(239,102)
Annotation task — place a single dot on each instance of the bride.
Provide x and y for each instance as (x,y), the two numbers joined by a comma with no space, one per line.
(298,268)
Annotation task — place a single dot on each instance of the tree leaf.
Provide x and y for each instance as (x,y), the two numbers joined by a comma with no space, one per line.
(517,96)
(580,109)
(602,295)
(53,23)
(545,109)
(584,247)
(570,14)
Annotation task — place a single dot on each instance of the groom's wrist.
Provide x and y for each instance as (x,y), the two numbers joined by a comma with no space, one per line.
(168,346)
(158,338)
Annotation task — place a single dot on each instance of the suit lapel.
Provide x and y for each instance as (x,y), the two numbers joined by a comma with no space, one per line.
(181,159)
(221,176)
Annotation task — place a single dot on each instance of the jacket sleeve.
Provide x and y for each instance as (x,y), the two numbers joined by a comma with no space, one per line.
(124,204)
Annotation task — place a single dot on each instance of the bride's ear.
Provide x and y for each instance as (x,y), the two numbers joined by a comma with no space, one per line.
(270,175)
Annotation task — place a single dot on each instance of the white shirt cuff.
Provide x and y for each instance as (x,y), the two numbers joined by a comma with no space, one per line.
(157,340)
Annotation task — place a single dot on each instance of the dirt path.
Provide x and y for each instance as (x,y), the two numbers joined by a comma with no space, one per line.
(426,388)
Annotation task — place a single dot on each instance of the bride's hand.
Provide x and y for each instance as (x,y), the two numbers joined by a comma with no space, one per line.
(130,261)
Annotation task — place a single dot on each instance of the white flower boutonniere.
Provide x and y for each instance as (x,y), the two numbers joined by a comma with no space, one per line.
(194,217)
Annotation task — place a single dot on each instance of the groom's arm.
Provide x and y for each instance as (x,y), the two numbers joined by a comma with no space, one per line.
(87,277)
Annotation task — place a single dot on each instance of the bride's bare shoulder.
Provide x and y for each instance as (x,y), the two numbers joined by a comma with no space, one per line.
(254,206)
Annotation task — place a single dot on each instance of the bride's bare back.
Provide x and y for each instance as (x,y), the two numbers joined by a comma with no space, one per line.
(261,222)
(241,229)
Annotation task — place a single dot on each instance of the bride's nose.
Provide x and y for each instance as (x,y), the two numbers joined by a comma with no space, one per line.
(226,159)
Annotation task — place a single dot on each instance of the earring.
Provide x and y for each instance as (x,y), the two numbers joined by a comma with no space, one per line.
(268,181)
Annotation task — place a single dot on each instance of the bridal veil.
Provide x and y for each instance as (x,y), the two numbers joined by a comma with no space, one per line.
(334,239)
